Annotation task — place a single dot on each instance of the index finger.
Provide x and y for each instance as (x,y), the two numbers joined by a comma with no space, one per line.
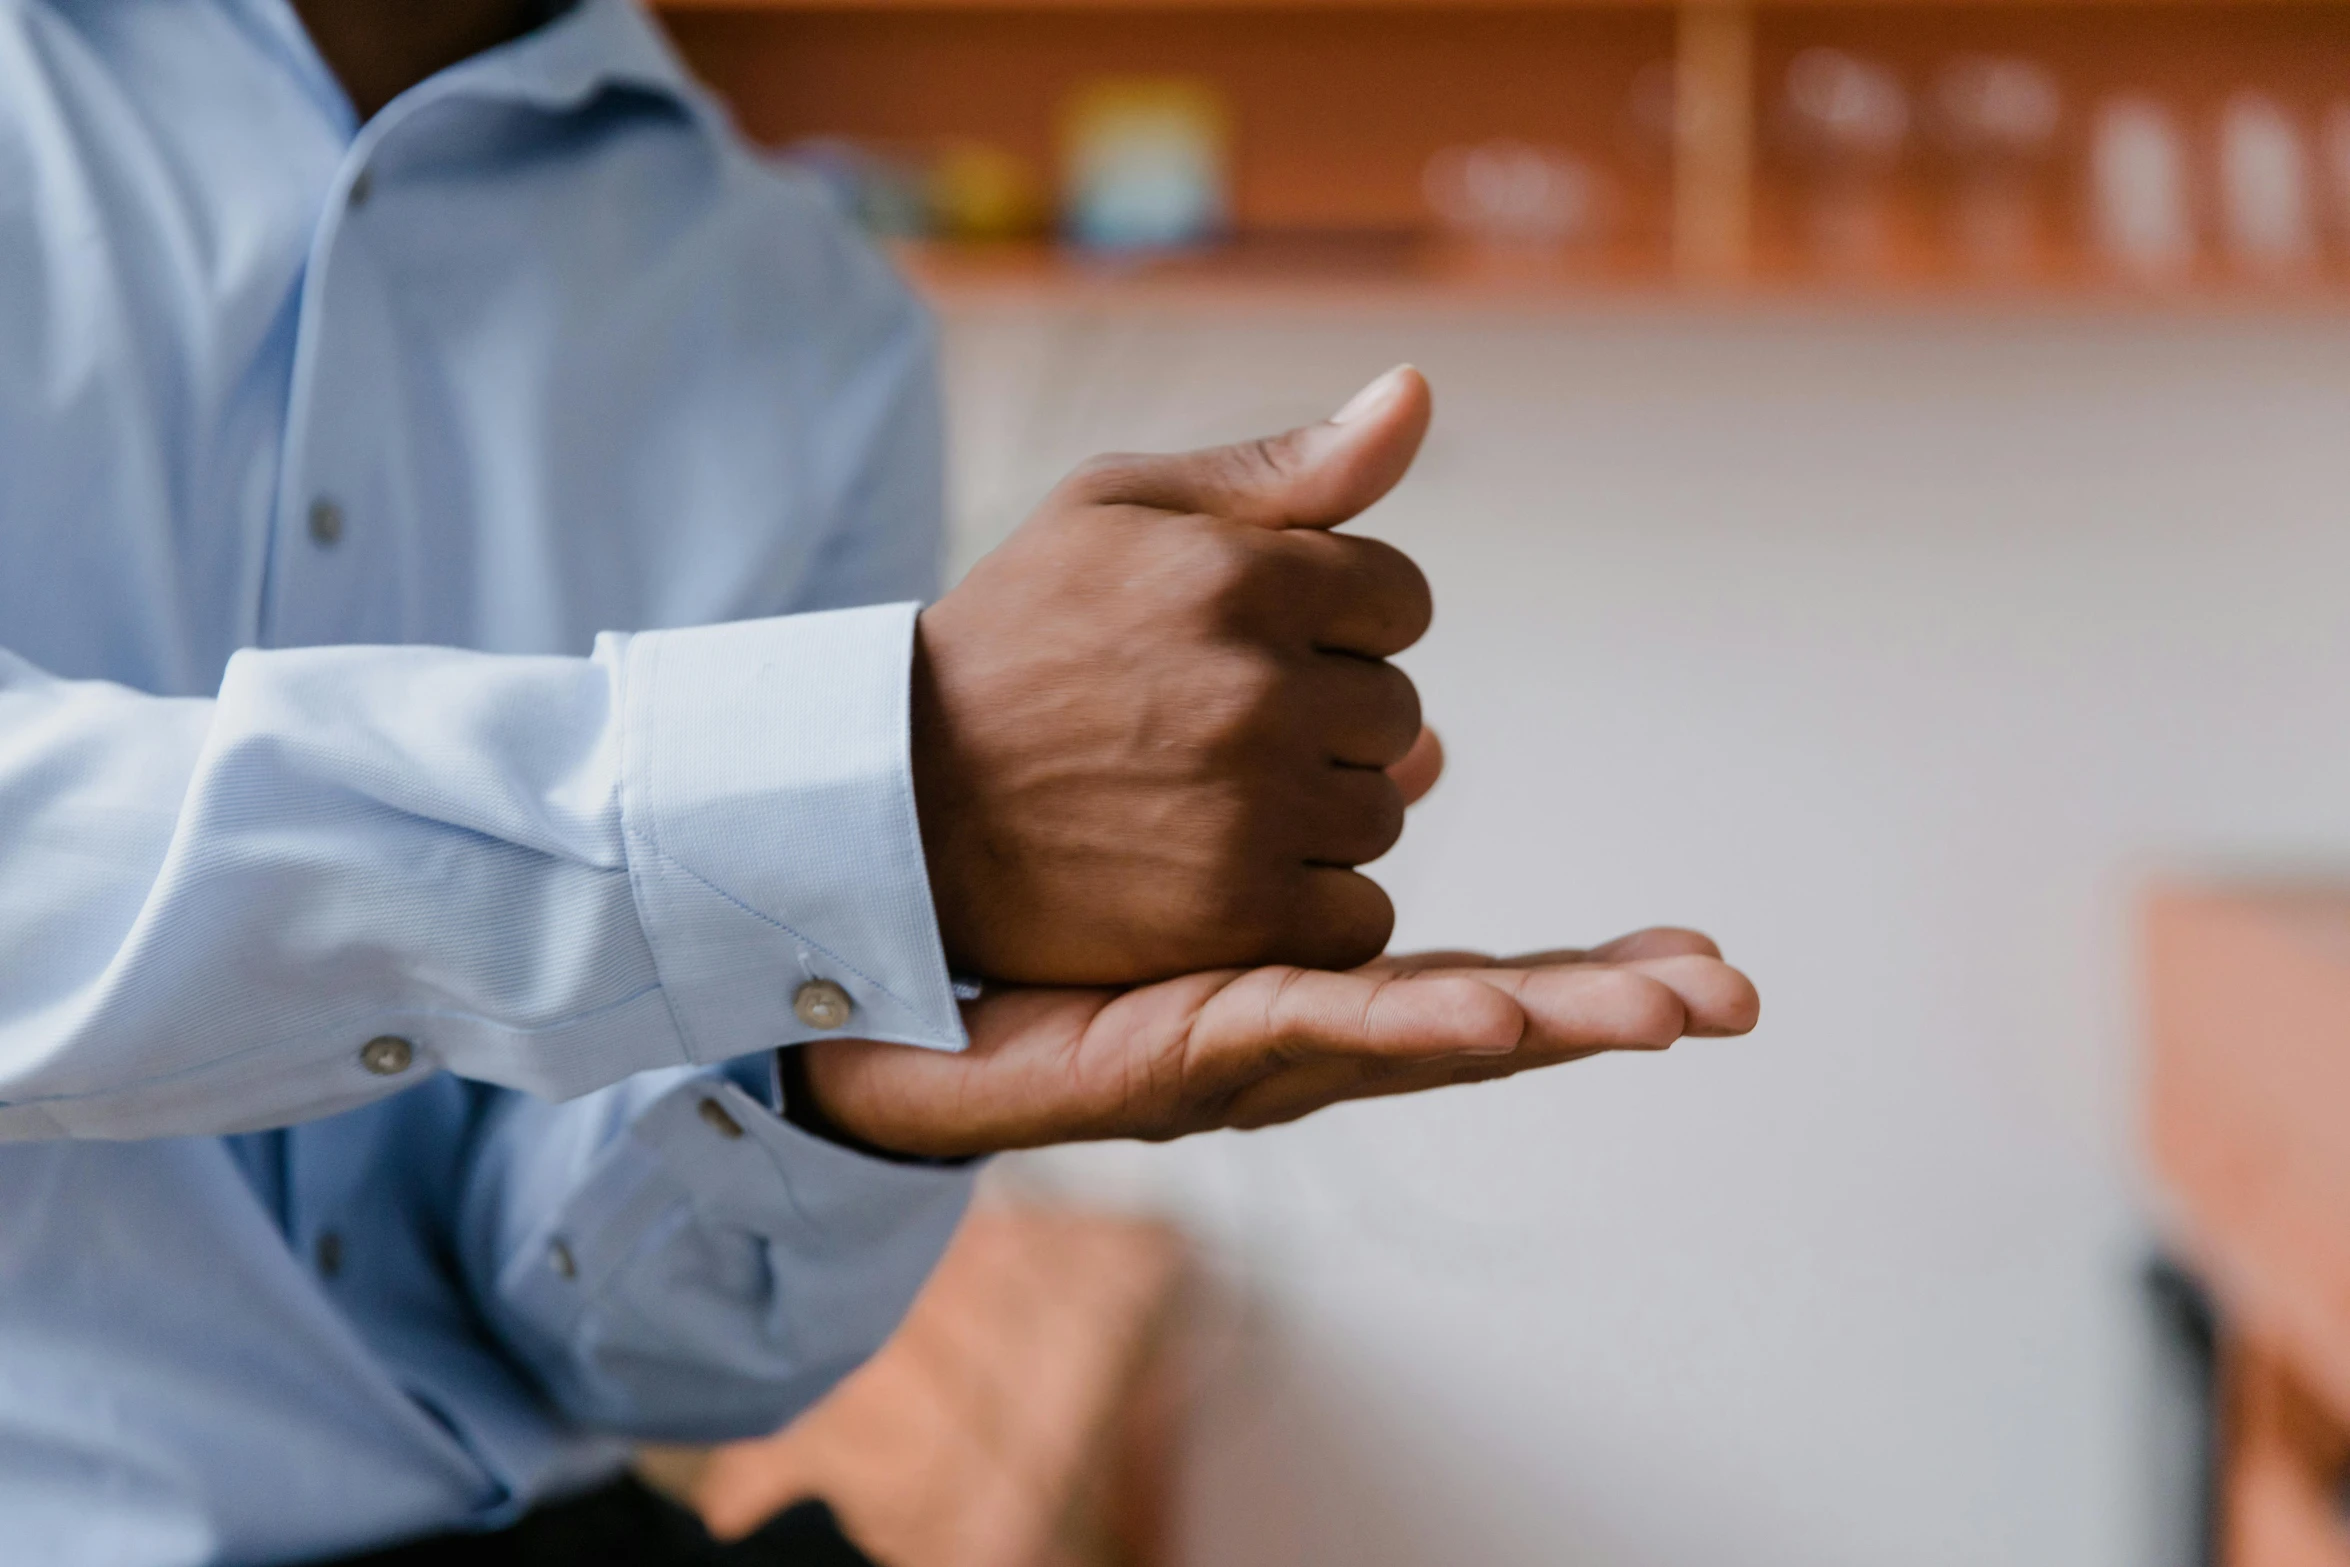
(1282,1017)
(1657,941)
(1361,596)
(1708,998)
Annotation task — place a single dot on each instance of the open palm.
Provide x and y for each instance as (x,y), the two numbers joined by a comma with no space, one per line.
(1254,1047)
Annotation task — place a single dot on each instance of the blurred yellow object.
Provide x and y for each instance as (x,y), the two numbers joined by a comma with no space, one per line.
(1144,162)
(979,191)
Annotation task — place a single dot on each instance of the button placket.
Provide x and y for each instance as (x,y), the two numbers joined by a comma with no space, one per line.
(328,475)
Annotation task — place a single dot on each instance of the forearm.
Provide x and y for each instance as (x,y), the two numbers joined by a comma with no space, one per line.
(544,873)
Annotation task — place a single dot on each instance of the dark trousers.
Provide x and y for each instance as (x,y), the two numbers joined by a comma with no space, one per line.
(626,1524)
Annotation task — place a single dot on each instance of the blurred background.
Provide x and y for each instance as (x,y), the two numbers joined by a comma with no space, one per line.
(1887,508)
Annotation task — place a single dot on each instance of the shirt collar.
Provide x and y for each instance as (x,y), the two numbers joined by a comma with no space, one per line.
(594,45)
(561,65)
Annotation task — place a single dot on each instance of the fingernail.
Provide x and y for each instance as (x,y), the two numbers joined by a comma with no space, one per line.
(1371,398)
(1489,1047)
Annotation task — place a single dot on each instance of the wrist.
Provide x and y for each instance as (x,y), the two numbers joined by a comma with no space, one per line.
(939,798)
(803,1107)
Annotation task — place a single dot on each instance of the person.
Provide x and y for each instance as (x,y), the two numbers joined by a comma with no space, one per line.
(514,927)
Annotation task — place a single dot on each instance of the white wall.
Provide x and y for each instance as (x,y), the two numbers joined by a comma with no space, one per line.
(1896,650)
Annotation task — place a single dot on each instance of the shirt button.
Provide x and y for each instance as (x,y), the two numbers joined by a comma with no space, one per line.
(821,1004)
(387,1055)
(560,1259)
(330,1254)
(326,521)
(722,1123)
(362,186)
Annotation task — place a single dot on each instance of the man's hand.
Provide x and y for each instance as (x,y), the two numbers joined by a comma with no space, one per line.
(1248,1048)
(1151,730)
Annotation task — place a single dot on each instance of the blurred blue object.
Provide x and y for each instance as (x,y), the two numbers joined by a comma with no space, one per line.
(1145,165)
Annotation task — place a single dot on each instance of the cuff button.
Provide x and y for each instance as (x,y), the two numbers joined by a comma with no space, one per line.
(821,1004)
(387,1055)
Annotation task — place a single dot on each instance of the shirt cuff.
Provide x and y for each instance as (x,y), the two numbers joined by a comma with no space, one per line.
(767,797)
(718,1270)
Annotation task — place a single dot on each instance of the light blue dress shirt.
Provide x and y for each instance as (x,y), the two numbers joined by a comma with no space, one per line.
(361,488)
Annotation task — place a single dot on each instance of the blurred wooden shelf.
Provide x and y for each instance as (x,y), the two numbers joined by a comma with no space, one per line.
(1337,108)
(1459,6)
(1326,6)
(1289,275)
(1285,272)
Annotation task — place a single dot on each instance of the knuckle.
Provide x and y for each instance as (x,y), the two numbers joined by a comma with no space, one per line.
(1218,570)
(1359,816)
(1102,479)
(1400,715)
(1367,939)
(1249,915)
(1405,602)
(1250,465)
(1420,601)
(1373,717)
(1383,819)
(1357,930)
(1297,582)
(1239,702)
(1234,568)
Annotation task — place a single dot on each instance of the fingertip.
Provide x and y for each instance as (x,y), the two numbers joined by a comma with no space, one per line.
(1599,1008)
(1657,941)
(1414,400)
(1350,463)
(1376,393)
(1399,387)
(1738,1013)
(1416,773)
(1720,1000)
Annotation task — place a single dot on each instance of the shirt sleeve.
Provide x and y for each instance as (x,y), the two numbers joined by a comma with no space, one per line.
(675,1262)
(355,866)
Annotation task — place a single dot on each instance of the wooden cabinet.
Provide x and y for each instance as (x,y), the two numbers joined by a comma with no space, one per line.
(2250,1095)
(1025,1415)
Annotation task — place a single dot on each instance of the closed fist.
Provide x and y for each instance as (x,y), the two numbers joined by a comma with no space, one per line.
(1152,731)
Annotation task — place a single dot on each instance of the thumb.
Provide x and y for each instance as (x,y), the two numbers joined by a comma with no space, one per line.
(1316,476)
